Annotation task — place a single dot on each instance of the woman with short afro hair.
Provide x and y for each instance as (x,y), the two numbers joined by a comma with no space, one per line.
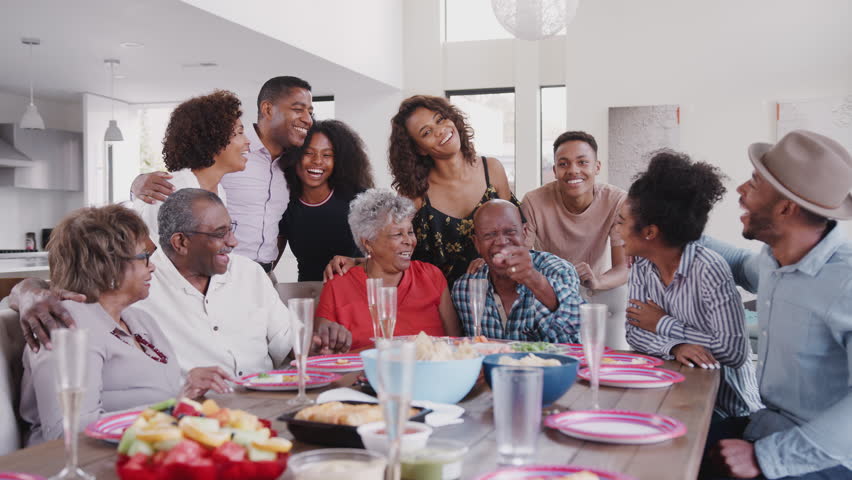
(204,141)
(683,302)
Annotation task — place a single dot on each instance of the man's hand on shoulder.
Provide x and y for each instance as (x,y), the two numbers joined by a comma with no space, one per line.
(41,311)
(150,187)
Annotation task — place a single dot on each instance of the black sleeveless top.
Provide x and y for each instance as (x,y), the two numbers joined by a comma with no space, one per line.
(445,241)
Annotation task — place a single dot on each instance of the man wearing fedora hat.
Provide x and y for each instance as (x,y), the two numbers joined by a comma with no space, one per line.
(803,279)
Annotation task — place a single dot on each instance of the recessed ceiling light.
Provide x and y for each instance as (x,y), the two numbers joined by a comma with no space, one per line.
(200,65)
(132,45)
(119,76)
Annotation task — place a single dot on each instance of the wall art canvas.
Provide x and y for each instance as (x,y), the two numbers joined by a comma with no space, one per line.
(636,132)
(831,117)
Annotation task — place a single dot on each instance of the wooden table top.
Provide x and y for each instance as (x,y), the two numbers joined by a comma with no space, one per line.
(690,401)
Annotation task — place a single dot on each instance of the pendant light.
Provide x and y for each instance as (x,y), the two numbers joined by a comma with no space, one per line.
(31,119)
(113,133)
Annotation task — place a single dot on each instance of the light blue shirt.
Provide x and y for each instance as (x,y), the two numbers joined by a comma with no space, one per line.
(804,355)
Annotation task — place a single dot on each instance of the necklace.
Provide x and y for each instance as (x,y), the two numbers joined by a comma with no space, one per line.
(147,347)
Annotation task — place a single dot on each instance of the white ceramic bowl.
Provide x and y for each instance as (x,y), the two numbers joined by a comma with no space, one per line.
(376,440)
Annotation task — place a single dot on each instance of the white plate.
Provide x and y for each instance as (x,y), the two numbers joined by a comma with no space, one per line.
(616,426)
(634,377)
(316,379)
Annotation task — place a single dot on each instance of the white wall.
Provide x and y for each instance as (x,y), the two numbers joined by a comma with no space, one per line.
(725,62)
(364,36)
(26,210)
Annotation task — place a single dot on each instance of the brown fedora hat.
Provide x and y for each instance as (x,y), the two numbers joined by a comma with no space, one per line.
(810,169)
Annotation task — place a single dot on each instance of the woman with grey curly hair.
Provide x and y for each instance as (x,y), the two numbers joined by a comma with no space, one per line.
(381,226)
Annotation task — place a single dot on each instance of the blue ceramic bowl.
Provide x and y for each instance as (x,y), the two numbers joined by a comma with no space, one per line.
(557,379)
(443,382)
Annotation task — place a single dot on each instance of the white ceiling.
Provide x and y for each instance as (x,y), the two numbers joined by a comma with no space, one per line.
(77,35)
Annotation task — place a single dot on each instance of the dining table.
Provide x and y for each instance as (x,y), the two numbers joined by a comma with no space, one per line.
(690,401)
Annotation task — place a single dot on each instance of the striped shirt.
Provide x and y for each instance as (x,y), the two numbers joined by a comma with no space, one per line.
(703,307)
(529,319)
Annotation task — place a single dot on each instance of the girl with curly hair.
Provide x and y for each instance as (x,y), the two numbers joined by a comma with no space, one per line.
(684,304)
(204,141)
(434,163)
(323,176)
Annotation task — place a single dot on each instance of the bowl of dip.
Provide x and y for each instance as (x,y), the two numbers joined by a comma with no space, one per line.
(558,378)
(440,459)
(337,464)
(375,437)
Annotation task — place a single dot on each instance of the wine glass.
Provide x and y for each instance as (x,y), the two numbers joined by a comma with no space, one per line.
(592,329)
(70,356)
(395,375)
(373,287)
(387,311)
(302,310)
(477,290)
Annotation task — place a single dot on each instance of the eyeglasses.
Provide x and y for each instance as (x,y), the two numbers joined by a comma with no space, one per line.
(145,256)
(219,235)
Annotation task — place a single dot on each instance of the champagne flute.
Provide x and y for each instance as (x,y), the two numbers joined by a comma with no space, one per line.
(373,287)
(302,310)
(387,311)
(70,357)
(395,374)
(592,328)
(477,290)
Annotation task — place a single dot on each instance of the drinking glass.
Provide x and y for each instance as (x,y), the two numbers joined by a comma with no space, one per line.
(387,311)
(302,310)
(517,412)
(70,356)
(592,330)
(395,374)
(477,289)
(373,287)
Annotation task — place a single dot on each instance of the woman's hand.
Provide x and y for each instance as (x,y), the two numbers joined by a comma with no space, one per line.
(201,379)
(645,315)
(152,186)
(338,266)
(691,355)
(475,265)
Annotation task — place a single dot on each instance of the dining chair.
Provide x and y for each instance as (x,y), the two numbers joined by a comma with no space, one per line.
(299,290)
(11,371)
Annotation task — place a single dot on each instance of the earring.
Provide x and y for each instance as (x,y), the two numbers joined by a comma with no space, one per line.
(648,237)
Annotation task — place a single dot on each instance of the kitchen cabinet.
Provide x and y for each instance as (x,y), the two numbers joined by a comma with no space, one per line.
(57,159)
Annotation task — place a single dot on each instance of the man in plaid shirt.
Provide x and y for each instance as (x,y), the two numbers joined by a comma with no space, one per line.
(532,296)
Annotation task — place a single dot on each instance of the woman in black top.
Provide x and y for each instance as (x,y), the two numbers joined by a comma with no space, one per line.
(324,175)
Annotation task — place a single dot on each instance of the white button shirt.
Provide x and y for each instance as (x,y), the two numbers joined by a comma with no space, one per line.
(241,324)
(257,198)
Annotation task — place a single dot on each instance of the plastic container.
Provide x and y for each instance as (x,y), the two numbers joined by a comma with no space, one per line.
(338,464)
(441,459)
(375,438)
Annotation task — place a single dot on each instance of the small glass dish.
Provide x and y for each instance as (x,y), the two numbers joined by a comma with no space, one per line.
(441,459)
(337,464)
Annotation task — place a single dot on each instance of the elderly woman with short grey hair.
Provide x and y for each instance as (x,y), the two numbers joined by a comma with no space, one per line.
(380,221)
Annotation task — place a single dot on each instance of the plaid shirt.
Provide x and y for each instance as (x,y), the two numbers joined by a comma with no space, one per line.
(529,319)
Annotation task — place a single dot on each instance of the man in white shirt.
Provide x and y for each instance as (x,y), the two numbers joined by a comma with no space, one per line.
(257,196)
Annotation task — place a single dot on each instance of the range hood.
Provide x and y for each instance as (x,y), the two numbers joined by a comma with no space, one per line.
(9,155)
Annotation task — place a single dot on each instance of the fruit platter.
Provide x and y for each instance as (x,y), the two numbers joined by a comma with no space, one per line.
(200,441)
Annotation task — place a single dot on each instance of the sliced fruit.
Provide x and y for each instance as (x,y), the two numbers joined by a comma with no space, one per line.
(258,455)
(201,423)
(147,413)
(159,434)
(209,407)
(274,444)
(127,439)
(244,420)
(163,405)
(166,445)
(246,437)
(138,446)
(208,439)
(186,407)
(161,419)
(229,451)
(223,415)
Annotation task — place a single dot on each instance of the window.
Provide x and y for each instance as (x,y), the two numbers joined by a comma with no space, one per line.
(491,113)
(323,107)
(553,120)
(153,120)
(468,20)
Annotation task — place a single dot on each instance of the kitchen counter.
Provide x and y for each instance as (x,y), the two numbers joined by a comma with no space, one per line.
(22,265)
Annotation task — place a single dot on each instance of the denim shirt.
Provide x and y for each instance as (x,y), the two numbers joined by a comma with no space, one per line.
(805,354)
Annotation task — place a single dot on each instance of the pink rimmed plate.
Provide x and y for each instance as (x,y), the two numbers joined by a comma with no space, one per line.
(19,476)
(616,426)
(536,472)
(634,377)
(616,359)
(576,349)
(340,363)
(111,428)
(273,381)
